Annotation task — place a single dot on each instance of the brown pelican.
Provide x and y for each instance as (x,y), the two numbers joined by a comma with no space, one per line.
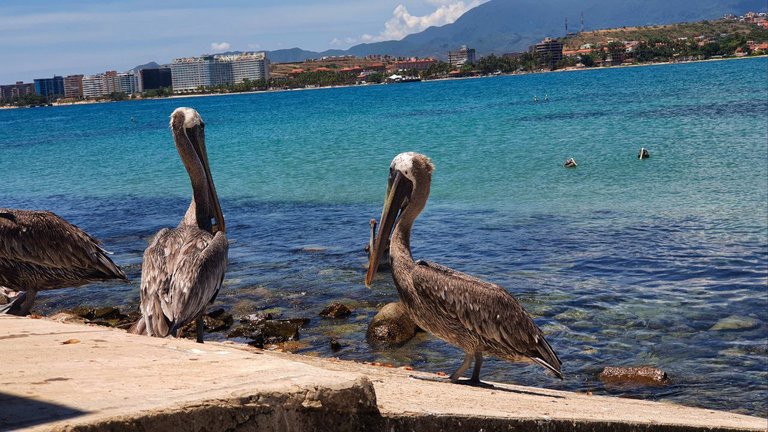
(570,163)
(41,251)
(643,153)
(477,316)
(184,267)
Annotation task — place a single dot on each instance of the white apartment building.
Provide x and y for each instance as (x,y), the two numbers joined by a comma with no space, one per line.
(110,82)
(191,73)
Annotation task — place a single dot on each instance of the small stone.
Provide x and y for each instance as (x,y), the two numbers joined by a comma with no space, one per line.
(637,376)
(335,345)
(335,310)
(735,322)
(391,326)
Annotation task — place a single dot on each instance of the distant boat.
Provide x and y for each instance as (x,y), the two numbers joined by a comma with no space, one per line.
(402,79)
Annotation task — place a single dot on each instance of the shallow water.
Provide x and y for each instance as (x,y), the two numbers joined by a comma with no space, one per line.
(620,261)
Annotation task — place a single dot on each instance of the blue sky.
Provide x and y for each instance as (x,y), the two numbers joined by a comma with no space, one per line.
(40,38)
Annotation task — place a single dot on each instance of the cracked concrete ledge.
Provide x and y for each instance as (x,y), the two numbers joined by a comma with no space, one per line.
(69,377)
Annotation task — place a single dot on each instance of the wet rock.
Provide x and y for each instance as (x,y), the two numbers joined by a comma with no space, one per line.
(83,312)
(106,313)
(222,316)
(131,318)
(215,321)
(335,310)
(108,316)
(66,317)
(391,326)
(735,322)
(335,345)
(262,329)
(634,376)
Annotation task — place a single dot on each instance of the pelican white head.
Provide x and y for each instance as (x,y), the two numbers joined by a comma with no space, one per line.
(404,162)
(191,117)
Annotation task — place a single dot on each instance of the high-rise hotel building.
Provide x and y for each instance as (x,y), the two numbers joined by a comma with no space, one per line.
(110,82)
(191,73)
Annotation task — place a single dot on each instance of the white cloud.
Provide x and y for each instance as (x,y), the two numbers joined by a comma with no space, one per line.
(343,42)
(220,46)
(403,23)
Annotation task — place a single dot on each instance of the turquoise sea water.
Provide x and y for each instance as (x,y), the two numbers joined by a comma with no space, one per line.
(620,261)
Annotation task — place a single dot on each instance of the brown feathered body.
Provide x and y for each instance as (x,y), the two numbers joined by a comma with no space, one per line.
(182,273)
(472,314)
(41,251)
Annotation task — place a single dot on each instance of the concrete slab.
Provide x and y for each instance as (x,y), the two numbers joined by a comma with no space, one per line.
(75,377)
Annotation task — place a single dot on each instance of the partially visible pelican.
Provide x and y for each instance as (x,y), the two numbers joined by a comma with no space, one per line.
(643,153)
(41,251)
(570,163)
(184,267)
(477,316)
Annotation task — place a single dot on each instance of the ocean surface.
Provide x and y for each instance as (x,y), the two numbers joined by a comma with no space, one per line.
(622,262)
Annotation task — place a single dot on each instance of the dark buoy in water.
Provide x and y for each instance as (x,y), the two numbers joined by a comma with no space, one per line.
(570,163)
(643,153)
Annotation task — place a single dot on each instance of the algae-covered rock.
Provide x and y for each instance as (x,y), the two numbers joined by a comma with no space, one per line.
(634,376)
(735,322)
(263,330)
(336,310)
(391,326)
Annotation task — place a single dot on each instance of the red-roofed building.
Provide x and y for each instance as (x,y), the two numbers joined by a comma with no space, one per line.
(415,64)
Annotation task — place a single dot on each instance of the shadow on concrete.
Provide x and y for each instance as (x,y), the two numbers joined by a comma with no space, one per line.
(484,385)
(19,412)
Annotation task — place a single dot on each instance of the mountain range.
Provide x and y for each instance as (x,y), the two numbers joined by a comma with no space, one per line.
(502,26)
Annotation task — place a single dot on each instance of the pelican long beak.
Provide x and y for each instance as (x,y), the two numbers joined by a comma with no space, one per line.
(202,153)
(397,193)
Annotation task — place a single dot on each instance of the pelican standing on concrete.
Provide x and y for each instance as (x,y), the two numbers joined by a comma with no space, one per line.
(184,267)
(41,251)
(477,316)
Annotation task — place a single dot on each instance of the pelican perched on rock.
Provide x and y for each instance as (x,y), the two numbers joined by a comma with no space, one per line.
(477,316)
(41,251)
(184,267)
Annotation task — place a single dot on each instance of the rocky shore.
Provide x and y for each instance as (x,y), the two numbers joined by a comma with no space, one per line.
(75,377)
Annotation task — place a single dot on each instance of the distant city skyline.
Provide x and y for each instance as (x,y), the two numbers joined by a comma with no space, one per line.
(46,37)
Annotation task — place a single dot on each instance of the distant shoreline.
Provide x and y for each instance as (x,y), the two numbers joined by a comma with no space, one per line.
(571,69)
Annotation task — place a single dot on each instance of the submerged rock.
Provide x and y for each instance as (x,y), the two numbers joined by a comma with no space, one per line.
(335,310)
(391,326)
(637,376)
(735,322)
